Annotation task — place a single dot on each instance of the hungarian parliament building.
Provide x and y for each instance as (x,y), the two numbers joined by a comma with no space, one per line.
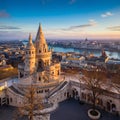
(40,81)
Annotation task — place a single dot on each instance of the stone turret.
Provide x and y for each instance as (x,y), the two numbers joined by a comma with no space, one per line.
(29,57)
(43,55)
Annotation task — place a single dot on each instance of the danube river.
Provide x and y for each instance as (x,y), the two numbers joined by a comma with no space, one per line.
(111,54)
(115,54)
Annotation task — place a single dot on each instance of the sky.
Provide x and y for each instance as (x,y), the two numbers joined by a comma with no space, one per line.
(60,19)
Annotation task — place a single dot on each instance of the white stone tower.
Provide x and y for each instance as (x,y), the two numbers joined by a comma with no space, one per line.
(29,58)
(43,54)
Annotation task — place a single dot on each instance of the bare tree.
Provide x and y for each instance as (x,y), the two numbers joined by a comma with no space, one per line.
(31,103)
(94,80)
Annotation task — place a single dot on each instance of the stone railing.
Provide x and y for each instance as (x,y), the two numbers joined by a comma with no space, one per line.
(38,85)
(57,89)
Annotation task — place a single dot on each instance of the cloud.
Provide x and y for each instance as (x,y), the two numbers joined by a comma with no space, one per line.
(107,14)
(11,35)
(114,28)
(90,24)
(4,27)
(72,1)
(4,14)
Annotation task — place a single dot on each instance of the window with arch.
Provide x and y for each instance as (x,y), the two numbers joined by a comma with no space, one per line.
(58,72)
(39,78)
(45,50)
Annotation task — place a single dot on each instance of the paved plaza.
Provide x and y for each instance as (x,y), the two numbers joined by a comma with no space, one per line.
(72,110)
(67,110)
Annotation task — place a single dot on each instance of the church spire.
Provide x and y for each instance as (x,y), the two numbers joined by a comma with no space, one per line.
(40,36)
(30,38)
(40,27)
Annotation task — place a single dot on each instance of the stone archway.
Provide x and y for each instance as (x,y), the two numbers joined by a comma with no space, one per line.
(68,95)
(21,75)
(75,93)
(40,65)
(113,106)
(7,101)
(108,106)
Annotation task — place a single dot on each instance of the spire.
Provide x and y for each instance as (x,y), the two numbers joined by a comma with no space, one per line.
(40,28)
(30,43)
(30,38)
(40,36)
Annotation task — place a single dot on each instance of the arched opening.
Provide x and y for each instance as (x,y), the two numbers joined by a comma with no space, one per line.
(7,101)
(108,106)
(58,72)
(65,94)
(113,107)
(40,65)
(75,94)
(21,75)
(39,78)
(68,95)
(84,96)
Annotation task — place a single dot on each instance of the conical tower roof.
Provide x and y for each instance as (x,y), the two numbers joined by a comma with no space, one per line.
(30,43)
(40,39)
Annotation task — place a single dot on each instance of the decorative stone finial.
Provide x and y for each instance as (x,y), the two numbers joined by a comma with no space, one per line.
(30,38)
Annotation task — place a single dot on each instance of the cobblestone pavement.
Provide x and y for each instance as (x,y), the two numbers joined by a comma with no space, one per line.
(67,110)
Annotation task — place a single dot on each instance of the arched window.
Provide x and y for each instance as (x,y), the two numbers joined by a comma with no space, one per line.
(58,72)
(41,91)
(39,78)
(21,75)
(65,94)
(47,90)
